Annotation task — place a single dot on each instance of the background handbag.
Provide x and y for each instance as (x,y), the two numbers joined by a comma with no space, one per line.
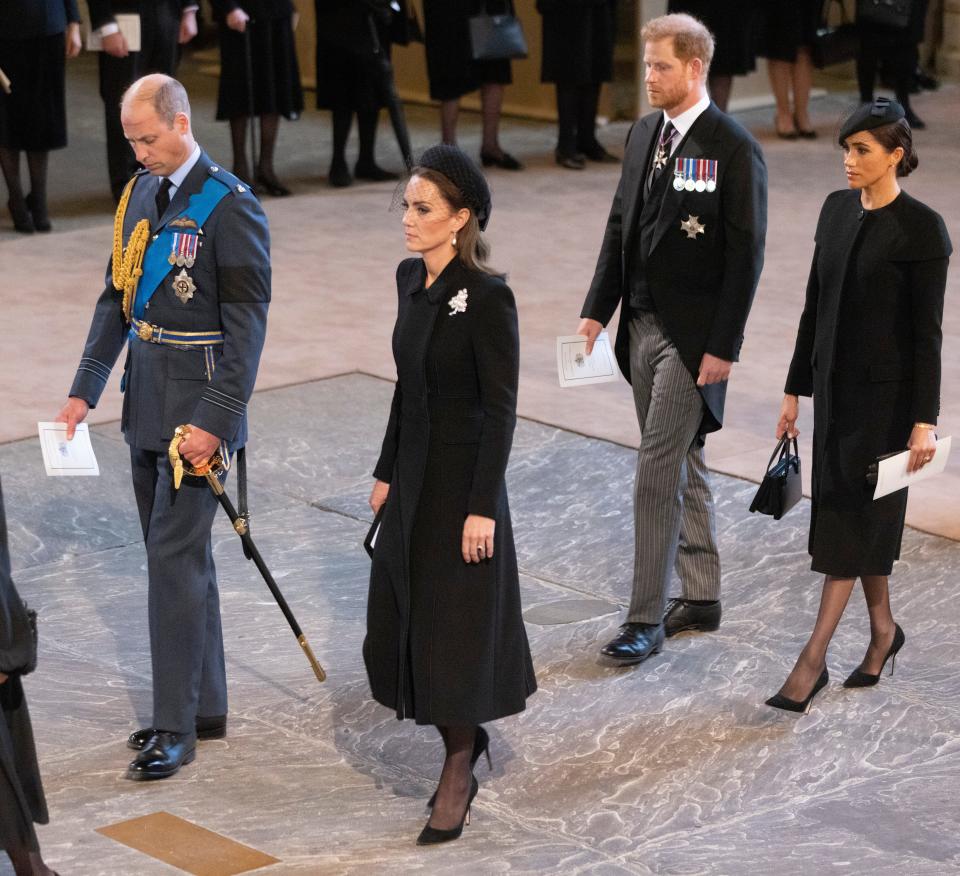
(894,14)
(781,487)
(497,37)
(32,619)
(836,39)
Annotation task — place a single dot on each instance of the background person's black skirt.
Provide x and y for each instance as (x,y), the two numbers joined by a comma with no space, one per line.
(33,116)
(789,26)
(450,66)
(578,42)
(276,74)
(735,26)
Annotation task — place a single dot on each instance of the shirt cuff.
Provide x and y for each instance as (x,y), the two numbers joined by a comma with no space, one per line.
(108,29)
(193,8)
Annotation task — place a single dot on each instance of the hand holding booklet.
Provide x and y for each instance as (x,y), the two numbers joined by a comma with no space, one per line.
(576,368)
(63,458)
(892,472)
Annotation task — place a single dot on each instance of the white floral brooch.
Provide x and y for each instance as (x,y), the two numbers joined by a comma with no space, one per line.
(458,304)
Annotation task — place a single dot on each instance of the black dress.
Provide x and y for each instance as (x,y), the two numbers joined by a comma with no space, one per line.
(735,25)
(868,351)
(273,58)
(33,116)
(578,40)
(788,26)
(22,803)
(350,37)
(450,66)
(445,639)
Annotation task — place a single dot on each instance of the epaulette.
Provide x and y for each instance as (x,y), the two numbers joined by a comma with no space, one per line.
(233,183)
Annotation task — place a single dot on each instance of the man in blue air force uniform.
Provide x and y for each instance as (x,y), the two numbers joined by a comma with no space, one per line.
(195,325)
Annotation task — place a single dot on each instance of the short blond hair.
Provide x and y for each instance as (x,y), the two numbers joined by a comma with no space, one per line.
(691,37)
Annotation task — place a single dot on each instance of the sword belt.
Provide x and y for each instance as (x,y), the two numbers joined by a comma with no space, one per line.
(154,334)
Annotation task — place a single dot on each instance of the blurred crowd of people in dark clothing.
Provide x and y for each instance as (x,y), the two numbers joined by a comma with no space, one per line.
(260,75)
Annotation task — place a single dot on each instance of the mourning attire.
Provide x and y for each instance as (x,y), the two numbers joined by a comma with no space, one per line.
(274,72)
(22,803)
(868,351)
(578,42)
(159,53)
(735,25)
(681,256)
(788,27)
(194,338)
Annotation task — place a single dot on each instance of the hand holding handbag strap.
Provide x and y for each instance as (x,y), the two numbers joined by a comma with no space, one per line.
(782,448)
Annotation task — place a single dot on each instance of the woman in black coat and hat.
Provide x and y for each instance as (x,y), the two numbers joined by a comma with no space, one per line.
(21,793)
(868,351)
(445,640)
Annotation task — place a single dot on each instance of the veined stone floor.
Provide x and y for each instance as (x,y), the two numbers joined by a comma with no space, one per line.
(673,767)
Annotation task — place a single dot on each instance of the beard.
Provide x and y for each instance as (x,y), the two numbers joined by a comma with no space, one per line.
(667,98)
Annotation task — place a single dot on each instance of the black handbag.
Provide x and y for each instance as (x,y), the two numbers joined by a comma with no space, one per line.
(837,42)
(497,37)
(371,540)
(892,14)
(780,488)
(32,620)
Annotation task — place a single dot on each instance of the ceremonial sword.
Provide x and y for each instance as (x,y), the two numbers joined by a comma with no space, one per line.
(209,471)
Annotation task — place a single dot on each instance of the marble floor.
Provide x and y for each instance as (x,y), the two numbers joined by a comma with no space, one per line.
(673,767)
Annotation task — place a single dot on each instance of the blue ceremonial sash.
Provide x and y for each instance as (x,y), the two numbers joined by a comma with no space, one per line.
(155,264)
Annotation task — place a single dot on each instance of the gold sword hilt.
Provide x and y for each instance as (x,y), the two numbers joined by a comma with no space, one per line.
(317,668)
(181,466)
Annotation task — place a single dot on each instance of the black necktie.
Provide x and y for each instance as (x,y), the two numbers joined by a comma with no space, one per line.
(662,154)
(163,196)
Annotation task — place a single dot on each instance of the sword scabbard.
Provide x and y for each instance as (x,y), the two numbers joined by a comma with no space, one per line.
(317,668)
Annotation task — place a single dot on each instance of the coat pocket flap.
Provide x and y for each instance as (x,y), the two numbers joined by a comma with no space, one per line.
(186,365)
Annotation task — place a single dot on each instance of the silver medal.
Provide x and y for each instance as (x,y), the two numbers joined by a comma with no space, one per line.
(700,186)
(678,183)
(689,185)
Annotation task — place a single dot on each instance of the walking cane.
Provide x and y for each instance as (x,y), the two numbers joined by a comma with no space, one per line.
(209,471)
(251,102)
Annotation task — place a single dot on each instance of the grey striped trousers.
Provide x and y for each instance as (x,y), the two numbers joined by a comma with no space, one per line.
(675,524)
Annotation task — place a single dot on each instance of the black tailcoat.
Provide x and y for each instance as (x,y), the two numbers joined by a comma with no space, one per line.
(702,288)
(868,351)
(445,639)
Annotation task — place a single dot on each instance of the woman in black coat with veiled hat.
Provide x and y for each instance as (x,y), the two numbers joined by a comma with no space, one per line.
(445,640)
(22,803)
(868,351)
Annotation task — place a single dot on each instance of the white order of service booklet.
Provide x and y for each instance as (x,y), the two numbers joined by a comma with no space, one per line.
(892,471)
(64,458)
(576,368)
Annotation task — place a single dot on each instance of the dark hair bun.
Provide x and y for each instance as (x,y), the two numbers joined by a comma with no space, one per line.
(908,164)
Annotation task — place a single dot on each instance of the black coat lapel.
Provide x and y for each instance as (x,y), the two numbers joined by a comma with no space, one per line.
(635,171)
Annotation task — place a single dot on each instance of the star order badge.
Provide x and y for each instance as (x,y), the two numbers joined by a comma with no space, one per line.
(183,286)
(692,226)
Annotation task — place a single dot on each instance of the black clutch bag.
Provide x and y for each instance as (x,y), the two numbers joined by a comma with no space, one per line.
(837,42)
(893,14)
(780,488)
(497,37)
(873,469)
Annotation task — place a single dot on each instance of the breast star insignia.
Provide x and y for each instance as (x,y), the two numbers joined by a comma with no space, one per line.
(183,286)
(692,226)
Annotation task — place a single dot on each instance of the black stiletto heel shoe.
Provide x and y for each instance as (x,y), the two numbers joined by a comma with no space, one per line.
(859,678)
(431,835)
(779,701)
(481,745)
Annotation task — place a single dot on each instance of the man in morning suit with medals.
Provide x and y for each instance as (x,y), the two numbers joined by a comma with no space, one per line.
(681,256)
(194,320)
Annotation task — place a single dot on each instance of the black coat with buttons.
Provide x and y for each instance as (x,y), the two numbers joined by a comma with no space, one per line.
(868,351)
(445,638)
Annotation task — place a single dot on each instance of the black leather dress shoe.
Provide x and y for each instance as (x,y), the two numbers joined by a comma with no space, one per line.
(635,643)
(162,756)
(207,728)
(682,615)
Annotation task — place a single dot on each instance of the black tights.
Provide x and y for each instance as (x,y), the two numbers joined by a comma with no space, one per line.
(366,130)
(36,167)
(455,779)
(269,128)
(577,118)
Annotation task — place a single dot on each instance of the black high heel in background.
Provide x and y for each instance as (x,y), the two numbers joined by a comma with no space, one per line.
(20,213)
(481,745)
(432,835)
(859,678)
(779,701)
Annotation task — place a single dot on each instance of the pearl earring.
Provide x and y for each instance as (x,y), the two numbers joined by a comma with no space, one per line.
(454,238)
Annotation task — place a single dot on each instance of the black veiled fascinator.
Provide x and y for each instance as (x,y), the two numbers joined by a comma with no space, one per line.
(462,171)
(882,111)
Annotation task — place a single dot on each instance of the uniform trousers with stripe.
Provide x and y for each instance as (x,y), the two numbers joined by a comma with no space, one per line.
(186,641)
(675,524)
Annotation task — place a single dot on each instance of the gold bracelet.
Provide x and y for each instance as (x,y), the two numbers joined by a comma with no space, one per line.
(924,426)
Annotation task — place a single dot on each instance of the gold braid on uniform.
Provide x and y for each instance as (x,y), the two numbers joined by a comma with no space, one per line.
(128,264)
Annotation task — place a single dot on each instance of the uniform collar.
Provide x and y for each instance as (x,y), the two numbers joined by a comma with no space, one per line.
(180,174)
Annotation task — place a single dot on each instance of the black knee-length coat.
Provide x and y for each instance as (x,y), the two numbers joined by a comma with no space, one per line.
(21,792)
(445,639)
(868,351)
